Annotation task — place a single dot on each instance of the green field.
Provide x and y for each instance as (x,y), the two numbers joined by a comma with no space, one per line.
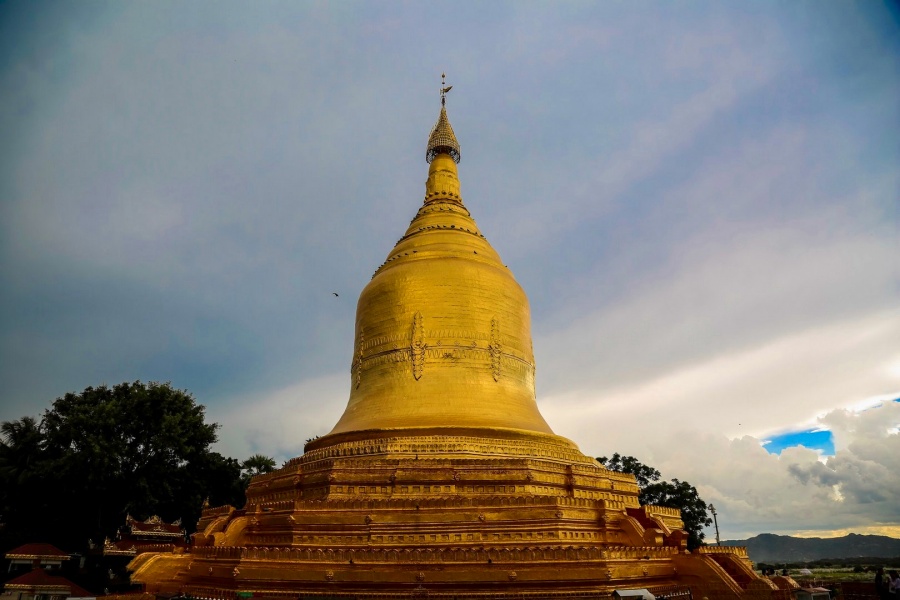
(829,575)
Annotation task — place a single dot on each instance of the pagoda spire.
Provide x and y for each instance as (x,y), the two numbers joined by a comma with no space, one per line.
(442,139)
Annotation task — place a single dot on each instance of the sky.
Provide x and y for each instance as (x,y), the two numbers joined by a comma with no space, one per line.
(701,199)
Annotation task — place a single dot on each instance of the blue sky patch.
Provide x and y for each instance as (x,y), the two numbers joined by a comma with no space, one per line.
(814,439)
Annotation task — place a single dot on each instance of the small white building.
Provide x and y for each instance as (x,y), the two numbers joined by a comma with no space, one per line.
(812,593)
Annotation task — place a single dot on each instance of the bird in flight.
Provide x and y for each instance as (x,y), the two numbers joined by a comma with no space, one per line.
(335,294)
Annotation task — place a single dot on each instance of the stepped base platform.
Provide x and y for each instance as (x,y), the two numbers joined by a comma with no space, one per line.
(444,516)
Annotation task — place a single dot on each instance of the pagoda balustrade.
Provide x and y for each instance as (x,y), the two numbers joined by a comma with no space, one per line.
(739,551)
(433,555)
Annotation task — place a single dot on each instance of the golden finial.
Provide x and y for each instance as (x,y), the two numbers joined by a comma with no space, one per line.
(444,89)
(442,140)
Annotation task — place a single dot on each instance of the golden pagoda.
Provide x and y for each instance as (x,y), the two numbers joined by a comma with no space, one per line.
(442,478)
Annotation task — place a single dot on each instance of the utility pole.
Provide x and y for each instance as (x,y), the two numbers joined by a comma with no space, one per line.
(712,509)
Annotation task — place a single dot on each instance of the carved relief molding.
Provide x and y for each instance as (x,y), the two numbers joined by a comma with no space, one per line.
(496,348)
(421,346)
(359,356)
(417,346)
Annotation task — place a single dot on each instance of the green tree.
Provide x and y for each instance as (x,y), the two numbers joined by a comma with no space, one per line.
(215,477)
(684,496)
(21,449)
(133,448)
(25,480)
(673,494)
(628,464)
(256,465)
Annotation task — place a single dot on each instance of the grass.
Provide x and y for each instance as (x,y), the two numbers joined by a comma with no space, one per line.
(822,576)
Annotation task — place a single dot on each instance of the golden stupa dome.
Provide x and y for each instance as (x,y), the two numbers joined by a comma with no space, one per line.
(441,478)
(443,330)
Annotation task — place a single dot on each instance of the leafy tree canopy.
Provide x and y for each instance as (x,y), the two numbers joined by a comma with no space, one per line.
(628,464)
(673,494)
(97,455)
(256,465)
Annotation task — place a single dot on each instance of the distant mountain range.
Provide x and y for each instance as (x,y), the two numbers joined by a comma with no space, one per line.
(768,547)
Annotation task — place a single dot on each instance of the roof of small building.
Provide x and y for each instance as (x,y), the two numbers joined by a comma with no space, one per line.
(154,526)
(35,551)
(39,579)
(132,547)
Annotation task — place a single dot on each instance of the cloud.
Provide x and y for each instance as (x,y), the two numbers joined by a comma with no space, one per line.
(754,391)
(278,423)
(753,491)
(748,299)
(722,71)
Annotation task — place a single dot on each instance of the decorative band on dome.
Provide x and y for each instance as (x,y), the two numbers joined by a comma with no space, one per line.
(442,139)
